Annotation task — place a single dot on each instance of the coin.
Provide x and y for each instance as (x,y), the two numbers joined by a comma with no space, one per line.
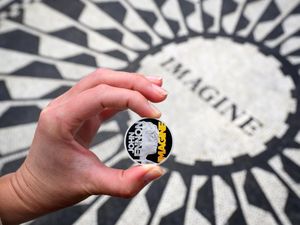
(148,141)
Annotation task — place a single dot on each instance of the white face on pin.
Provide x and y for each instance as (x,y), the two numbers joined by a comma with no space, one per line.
(149,139)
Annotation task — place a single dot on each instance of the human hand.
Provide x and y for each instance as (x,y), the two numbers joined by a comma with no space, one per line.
(60,170)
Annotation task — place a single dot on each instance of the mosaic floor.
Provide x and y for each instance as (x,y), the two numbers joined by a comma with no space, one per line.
(231,68)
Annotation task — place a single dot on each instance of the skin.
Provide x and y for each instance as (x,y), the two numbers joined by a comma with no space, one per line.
(60,170)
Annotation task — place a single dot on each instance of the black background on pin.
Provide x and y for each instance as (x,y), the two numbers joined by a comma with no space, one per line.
(152,157)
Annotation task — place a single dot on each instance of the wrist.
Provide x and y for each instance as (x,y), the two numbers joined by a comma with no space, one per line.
(18,201)
(11,205)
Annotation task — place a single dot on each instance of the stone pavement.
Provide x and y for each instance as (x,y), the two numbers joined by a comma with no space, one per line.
(231,68)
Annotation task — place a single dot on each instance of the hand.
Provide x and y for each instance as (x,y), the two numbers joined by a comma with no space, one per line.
(60,170)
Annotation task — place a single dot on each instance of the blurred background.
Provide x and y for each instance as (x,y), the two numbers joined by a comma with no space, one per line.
(231,68)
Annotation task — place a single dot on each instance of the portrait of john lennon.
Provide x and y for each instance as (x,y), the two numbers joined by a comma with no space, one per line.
(149,141)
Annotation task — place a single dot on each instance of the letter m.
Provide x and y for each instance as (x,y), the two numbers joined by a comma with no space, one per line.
(175,68)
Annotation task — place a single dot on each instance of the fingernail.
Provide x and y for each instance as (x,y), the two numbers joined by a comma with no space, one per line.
(154,78)
(160,90)
(153,173)
(156,112)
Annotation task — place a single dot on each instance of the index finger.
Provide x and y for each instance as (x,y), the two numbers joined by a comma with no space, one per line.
(93,101)
(149,87)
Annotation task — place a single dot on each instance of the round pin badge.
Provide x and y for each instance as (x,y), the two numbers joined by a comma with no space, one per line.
(148,141)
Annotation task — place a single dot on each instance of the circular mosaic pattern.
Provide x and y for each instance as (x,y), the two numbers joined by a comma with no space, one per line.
(232,71)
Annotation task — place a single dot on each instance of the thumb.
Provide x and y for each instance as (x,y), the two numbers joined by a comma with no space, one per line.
(126,183)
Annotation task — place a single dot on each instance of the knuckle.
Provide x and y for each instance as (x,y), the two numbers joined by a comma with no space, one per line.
(45,120)
(100,71)
(55,101)
(134,97)
(50,122)
(135,80)
(141,79)
(137,94)
(138,98)
(45,115)
(127,192)
(102,88)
